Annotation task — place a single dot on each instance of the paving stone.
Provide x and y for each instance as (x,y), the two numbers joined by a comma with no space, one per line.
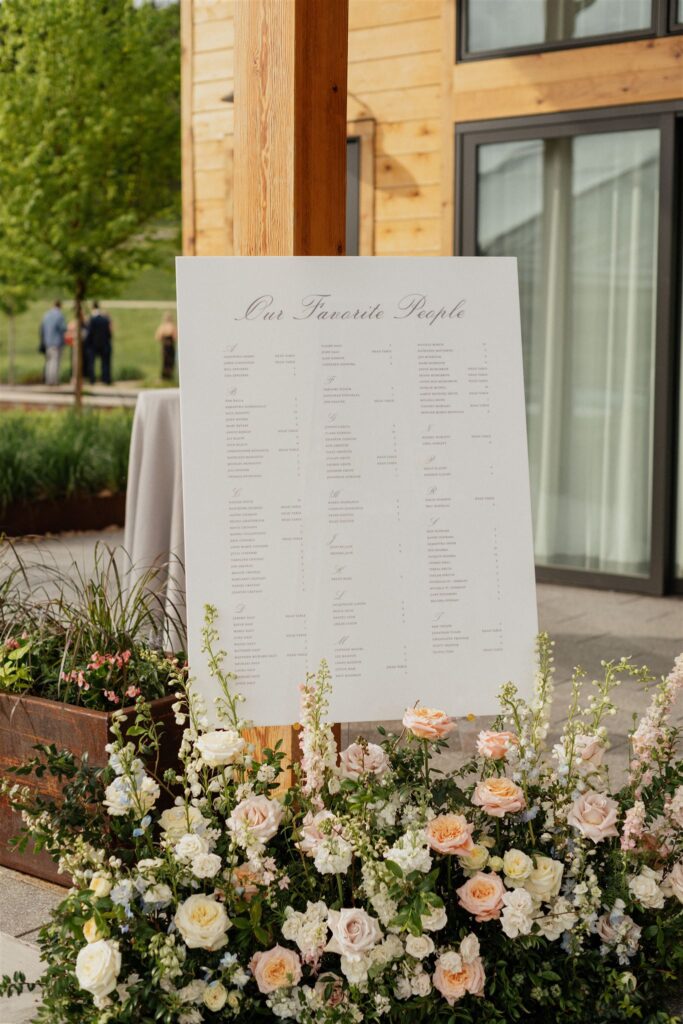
(18,955)
(26,902)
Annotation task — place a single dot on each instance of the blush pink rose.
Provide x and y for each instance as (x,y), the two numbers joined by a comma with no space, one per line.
(673,882)
(258,816)
(595,816)
(275,968)
(482,895)
(498,796)
(311,835)
(428,723)
(354,932)
(450,833)
(495,745)
(363,758)
(590,750)
(453,981)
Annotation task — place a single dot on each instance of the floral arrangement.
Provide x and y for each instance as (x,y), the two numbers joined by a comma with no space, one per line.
(377,887)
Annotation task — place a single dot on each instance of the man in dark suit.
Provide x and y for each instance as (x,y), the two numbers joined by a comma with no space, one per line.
(98,341)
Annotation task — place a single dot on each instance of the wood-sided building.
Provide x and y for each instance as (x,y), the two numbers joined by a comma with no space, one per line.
(549,130)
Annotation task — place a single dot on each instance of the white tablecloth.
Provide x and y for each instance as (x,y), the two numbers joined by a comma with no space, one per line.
(154,503)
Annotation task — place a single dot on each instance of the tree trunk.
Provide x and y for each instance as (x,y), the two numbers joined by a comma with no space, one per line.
(77,347)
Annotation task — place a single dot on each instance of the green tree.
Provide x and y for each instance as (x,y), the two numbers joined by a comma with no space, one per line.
(89,138)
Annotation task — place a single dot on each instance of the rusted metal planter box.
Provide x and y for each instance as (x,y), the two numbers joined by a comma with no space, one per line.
(55,515)
(26,721)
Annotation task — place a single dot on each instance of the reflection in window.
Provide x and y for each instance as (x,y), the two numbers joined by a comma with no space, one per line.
(580,214)
(510,24)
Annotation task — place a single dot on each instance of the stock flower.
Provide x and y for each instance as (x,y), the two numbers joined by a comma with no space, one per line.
(354,932)
(595,816)
(275,968)
(482,895)
(97,967)
(498,796)
(220,747)
(495,745)
(202,922)
(450,834)
(517,916)
(257,818)
(544,881)
(361,758)
(428,723)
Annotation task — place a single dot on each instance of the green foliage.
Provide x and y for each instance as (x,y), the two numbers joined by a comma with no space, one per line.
(60,454)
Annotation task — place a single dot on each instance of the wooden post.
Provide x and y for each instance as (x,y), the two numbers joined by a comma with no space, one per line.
(290,146)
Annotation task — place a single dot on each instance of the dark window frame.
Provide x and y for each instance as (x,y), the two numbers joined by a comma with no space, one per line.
(668,117)
(663,22)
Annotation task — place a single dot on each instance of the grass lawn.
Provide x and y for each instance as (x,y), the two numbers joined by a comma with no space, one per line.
(135,353)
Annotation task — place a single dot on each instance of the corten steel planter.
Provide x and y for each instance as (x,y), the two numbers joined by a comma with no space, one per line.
(55,515)
(26,721)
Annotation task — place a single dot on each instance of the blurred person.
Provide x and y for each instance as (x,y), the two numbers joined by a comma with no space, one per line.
(98,343)
(167,335)
(52,333)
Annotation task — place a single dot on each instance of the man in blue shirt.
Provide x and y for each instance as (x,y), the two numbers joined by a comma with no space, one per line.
(52,331)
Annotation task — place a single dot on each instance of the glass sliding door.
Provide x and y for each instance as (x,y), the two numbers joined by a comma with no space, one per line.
(580,211)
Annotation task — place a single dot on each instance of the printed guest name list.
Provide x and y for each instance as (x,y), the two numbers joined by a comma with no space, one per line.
(355,479)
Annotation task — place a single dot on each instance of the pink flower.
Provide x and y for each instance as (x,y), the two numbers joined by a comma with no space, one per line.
(454,978)
(482,895)
(246,879)
(361,758)
(133,691)
(275,968)
(111,696)
(498,796)
(673,882)
(495,745)
(428,723)
(633,827)
(311,835)
(354,932)
(595,816)
(450,833)
(258,816)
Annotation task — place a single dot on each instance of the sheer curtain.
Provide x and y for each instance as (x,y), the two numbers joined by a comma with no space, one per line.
(580,213)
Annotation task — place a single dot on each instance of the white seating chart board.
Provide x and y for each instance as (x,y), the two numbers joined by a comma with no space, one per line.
(356,481)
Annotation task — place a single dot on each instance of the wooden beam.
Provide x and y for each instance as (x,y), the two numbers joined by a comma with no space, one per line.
(187,140)
(447,126)
(290,126)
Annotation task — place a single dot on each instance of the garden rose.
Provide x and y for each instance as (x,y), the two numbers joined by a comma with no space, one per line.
(454,978)
(469,948)
(495,745)
(177,821)
(97,967)
(450,834)
(91,932)
(498,796)
(673,882)
(436,920)
(428,723)
(100,884)
(517,867)
(595,816)
(645,889)
(189,846)
(544,881)
(275,968)
(205,865)
(482,895)
(476,859)
(419,946)
(354,932)
(202,922)
(359,758)
(258,816)
(215,996)
(220,747)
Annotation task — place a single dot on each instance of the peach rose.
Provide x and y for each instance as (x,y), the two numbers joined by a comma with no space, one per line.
(482,895)
(361,758)
(428,723)
(595,816)
(258,816)
(498,796)
(495,744)
(311,836)
(453,978)
(450,833)
(276,968)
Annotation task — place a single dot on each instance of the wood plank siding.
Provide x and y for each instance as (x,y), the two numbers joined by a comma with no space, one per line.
(405,94)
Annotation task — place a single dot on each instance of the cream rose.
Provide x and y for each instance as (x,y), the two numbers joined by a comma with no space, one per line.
(454,978)
(544,881)
(177,821)
(517,867)
(428,723)
(190,846)
(100,884)
(361,758)
(436,920)
(97,967)
(673,882)
(419,946)
(276,968)
(450,834)
(482,895)
(476,859)
(215,996)
(354,932)
(495,745)
(91,932)
(498,796)
(469,948)
(220,747)
(645,889)
(595,816)
(202,922)
(258,816)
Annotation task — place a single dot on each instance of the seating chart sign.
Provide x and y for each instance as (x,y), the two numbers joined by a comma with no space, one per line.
(356,480)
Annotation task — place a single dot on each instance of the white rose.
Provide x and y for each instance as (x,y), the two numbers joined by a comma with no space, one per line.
(354,932)
(673,883)
(645,889)
(97,967)
(100,884)
(202,922)
(177,821)
(361,758)
(419,946)
(159,895)
(421,984)
(436,920)
(220,747)
(215,996)
(469,948)
(190,846)
(517,867)
(205,865)
(545,879)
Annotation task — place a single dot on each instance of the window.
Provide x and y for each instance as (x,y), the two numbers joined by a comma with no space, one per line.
(491,27)
(583,202)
